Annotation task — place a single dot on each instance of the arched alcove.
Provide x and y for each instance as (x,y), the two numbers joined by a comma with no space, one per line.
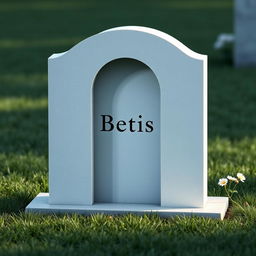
(126,155)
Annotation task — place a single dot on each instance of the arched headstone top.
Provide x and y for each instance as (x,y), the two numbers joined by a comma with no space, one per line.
(162,53)
(160,35)
(135,33)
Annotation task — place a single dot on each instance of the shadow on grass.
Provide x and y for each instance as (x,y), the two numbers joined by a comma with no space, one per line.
(15,203)
(128,235)
(32,86)
(231,103)
(24,131)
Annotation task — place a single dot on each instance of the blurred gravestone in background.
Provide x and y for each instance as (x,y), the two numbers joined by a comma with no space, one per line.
(245,33)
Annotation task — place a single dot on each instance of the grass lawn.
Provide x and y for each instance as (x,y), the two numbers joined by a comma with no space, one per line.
(30,32)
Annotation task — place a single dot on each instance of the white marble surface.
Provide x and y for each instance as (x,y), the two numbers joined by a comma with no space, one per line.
(215,207)
(179,155)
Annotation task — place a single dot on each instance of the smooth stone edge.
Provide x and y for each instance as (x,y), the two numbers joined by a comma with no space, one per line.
(215,207)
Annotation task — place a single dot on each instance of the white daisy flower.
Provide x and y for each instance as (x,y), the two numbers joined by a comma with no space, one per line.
(241,177)
(223,182)
(232,178)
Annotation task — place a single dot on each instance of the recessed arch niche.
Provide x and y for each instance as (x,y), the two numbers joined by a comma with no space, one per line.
(126,160)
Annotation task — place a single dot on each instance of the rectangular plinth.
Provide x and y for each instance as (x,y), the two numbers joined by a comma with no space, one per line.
(215,207)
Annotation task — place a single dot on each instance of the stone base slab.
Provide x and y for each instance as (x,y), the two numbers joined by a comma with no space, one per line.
(215,207)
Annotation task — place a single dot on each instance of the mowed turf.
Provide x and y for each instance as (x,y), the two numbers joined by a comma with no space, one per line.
(30,32)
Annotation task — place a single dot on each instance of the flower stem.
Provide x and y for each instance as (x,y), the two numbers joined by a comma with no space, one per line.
(233,201)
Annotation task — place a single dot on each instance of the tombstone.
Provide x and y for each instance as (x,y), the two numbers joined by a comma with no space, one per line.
(245,33)
(128,128)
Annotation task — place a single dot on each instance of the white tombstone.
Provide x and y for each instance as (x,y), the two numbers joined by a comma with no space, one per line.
(128,128)
(245,33)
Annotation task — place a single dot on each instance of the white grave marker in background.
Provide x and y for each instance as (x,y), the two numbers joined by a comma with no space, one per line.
(245,33)
(128,127)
